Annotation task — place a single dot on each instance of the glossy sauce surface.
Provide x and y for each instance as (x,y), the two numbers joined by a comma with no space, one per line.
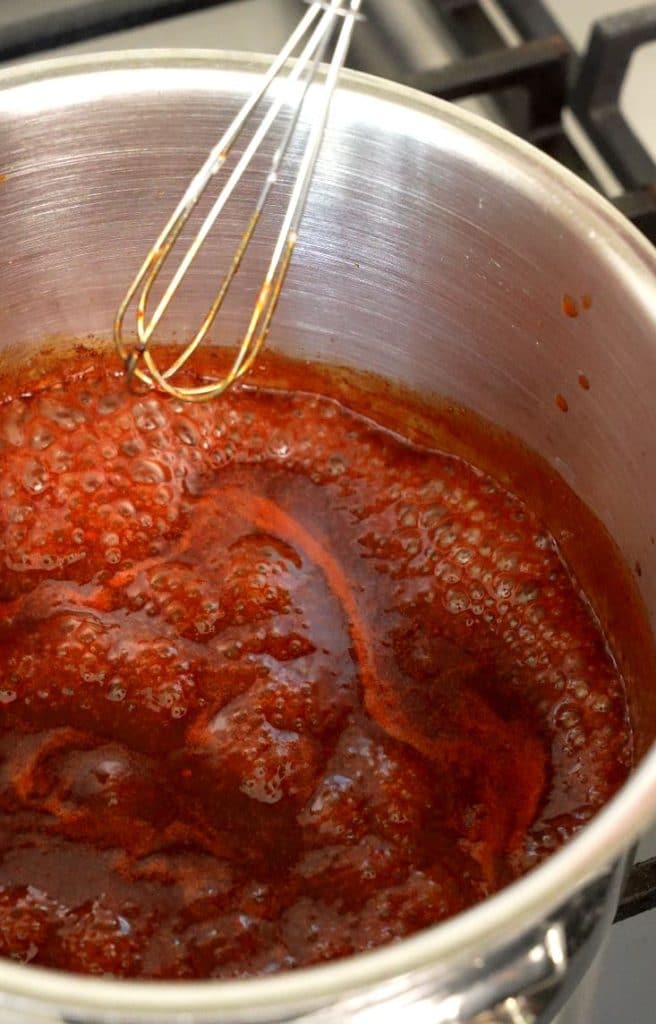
(276,685)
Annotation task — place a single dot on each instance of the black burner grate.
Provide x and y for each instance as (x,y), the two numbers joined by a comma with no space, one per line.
(87,19)
(639,892)
(543,65)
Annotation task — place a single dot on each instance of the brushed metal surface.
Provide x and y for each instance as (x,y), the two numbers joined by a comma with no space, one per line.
(436,251)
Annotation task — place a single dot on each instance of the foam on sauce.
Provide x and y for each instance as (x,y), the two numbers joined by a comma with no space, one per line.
(277,685)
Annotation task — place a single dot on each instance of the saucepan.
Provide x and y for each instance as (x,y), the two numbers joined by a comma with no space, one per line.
(436,251)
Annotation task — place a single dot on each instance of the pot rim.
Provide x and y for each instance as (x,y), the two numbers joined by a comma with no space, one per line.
(531,899)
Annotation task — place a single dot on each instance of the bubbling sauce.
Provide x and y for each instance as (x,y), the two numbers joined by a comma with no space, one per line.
(277,685)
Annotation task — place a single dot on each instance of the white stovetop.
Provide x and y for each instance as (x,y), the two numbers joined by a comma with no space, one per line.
(625,986)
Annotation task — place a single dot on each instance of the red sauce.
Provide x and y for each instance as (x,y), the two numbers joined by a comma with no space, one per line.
(570,307)
(277,684)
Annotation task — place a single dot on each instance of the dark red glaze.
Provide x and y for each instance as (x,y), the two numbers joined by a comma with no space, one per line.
(570,306)
(276,685)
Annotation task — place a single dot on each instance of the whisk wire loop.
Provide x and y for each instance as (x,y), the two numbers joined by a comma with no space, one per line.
(319,23)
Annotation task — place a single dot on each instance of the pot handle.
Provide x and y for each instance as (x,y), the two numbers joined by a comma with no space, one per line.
(533,973)
(488,993)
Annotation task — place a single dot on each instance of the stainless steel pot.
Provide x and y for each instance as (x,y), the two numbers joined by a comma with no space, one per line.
(435,251)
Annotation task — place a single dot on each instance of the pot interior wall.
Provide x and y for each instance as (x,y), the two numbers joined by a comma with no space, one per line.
(434,256)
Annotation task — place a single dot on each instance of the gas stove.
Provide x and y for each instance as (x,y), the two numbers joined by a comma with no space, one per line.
(565,76)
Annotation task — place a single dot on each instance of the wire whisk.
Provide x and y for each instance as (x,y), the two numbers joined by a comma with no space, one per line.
(325,24)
